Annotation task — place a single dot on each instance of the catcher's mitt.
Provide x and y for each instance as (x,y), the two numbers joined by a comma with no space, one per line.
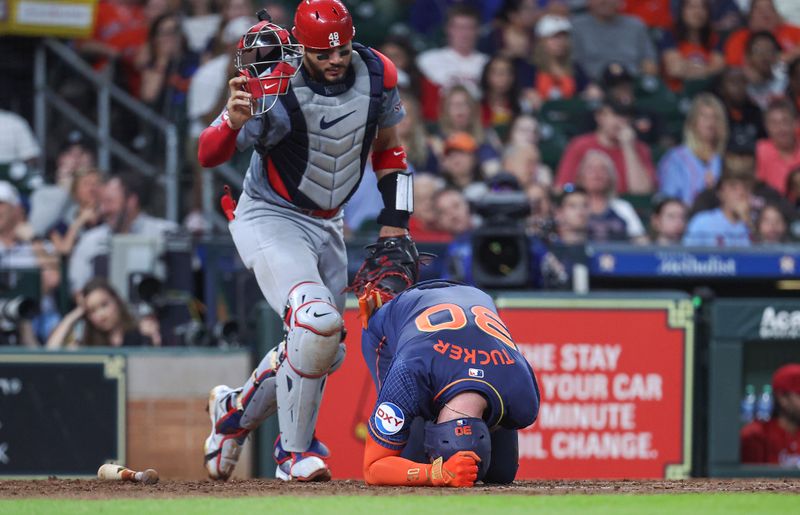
(391,266)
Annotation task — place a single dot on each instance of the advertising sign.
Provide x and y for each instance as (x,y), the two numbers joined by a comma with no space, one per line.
(58,18)
(615,378)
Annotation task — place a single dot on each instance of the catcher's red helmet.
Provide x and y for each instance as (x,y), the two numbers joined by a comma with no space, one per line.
(321,24)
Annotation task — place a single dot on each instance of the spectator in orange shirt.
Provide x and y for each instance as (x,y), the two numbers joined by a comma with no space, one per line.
(780,152)
(763,17)
(615,137)
(691,52)
(777,441)
(557,76)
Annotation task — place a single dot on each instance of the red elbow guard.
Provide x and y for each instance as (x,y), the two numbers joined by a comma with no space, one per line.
(216,145)
(389,159)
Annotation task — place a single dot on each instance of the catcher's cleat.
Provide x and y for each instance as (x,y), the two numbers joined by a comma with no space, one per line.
(302,466)
(221,451)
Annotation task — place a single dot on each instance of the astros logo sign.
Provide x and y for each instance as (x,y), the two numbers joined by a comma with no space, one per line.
(389,418)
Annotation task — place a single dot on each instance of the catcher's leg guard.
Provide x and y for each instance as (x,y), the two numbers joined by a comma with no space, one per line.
(258,400)
(312,343)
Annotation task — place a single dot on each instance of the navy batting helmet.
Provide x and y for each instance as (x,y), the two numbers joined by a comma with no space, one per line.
(461,434)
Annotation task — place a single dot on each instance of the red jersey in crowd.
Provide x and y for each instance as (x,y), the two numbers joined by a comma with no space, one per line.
(788,37)
(768,442)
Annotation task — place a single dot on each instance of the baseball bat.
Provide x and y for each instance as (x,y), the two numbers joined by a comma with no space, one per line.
(111,472)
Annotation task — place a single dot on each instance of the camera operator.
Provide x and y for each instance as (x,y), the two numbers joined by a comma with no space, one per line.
(500,253)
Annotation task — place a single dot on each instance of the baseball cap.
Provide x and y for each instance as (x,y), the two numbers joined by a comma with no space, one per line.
(460,141)
(552,24)
(620,108)
(787,378)
(615,73)
(9,194)
(236,28)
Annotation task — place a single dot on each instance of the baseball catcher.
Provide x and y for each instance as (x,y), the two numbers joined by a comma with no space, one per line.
(316,112)
(452,387)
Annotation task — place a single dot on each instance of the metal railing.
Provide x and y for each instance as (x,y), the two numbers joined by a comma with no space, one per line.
(100,131)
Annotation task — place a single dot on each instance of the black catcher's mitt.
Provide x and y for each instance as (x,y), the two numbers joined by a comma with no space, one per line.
(391,266)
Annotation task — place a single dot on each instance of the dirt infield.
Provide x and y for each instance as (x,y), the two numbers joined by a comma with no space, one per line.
(95,489)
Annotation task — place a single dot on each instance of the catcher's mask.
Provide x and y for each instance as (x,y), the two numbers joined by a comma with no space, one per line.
(462,434)
(269,60)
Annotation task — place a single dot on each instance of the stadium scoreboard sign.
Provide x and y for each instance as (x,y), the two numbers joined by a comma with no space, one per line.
(616,382)
(60,414)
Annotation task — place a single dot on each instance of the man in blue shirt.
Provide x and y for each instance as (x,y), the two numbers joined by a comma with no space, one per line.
(730,224)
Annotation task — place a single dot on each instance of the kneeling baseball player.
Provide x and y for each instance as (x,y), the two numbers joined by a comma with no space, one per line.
(452,387)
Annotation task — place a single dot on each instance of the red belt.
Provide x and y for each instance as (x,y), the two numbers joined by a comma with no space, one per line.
(320,213)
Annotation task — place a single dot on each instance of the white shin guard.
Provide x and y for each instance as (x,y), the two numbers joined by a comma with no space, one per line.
(312,348)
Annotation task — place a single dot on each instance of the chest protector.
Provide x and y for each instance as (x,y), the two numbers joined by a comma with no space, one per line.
(318,164)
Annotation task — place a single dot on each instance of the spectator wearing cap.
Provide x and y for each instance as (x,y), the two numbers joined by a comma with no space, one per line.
(766,78)
(780,151)
(691,51)
(459,166)
(603,35)
(457,63)
(668,221)
(695,165)
(15,250)
(619,85)
(745,120)
(610,217)
(616,137)
(763,17)
(729,225)
(557,77)
(777,440)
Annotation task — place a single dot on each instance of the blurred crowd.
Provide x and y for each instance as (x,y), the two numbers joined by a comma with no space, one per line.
(663,122)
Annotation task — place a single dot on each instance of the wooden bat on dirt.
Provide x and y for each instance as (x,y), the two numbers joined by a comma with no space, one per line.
(110,472)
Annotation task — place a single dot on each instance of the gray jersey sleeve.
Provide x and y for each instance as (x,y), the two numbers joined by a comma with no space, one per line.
(392,110)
